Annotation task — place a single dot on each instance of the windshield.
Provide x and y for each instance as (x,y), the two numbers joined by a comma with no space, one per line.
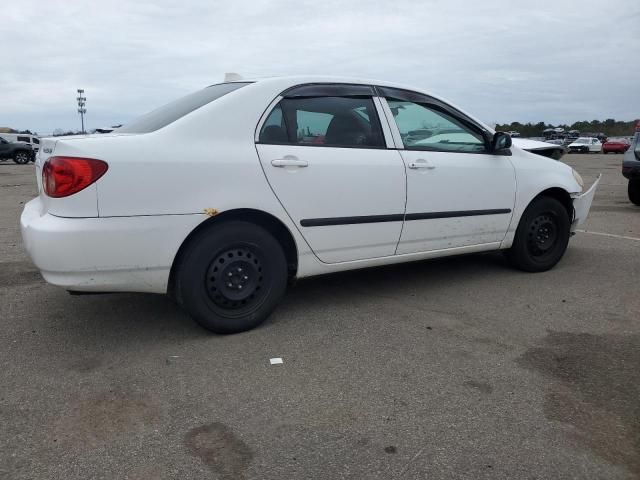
(163,116)
(583,140)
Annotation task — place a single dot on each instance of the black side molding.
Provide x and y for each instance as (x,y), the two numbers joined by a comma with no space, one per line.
(459,213)
(324,222)
(398,217)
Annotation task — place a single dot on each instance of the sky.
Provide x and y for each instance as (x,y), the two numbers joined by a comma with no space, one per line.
(555,61)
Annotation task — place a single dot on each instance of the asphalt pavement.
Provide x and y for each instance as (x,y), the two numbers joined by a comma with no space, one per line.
(453,368)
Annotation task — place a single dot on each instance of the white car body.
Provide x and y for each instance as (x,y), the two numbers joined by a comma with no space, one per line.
(586,145)
(123,232)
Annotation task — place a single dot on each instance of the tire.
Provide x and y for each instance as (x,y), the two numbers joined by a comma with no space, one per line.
(542,236)
(231,276)
(21,158)
(634,191)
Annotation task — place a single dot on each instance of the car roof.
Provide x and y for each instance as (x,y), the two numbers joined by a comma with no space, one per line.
(283,82)
(295,79)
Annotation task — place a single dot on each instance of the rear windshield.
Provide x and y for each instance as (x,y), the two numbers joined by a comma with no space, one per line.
(163,116)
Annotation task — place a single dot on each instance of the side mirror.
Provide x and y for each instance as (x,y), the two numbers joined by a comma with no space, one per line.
(501,141)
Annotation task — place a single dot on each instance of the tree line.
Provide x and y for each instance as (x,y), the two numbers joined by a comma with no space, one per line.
(610,127)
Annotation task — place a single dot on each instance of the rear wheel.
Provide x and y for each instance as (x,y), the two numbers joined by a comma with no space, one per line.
(21,158)
(634,191)
(231,277)
(542,236)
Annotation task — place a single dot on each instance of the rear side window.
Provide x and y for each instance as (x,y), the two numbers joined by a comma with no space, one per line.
(324,121)
(163,116)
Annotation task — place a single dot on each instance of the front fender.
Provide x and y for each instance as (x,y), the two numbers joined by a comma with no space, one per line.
(534,175)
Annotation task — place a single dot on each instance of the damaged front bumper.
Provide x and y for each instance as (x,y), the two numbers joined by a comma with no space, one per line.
(582,204)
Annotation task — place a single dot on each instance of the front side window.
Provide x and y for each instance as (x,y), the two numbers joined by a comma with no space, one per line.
(324,121)
(423,127)
(23,139)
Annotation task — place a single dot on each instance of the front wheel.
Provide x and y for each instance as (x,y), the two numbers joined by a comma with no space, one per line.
(542,236)
(634,191)
(231,276)
(21,158)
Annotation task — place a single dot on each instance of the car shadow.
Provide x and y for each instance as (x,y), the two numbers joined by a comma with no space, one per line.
(120,321)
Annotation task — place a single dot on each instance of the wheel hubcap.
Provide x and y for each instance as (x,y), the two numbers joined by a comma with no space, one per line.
(234,278)
(543,234)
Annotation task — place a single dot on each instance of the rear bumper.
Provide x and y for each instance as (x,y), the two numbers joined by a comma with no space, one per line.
(116,254)
(582,204)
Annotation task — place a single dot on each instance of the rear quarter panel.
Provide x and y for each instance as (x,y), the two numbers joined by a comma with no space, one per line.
(206,161)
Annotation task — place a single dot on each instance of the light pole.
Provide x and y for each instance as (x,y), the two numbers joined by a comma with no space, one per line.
(82,100)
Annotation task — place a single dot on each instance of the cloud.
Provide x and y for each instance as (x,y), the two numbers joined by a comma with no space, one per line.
(555,61)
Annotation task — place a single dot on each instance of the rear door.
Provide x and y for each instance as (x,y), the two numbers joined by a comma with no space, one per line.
(324,152)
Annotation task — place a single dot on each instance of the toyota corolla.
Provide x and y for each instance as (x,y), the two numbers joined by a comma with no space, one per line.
(223,197)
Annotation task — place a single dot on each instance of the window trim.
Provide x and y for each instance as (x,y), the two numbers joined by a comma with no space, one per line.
(283,95)
(421,98)
(329,89)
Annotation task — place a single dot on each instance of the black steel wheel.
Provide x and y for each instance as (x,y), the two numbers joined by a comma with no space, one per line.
(231,276)
(234,279)
(542,236)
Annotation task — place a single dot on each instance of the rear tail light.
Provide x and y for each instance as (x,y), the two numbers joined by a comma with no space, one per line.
(64,176)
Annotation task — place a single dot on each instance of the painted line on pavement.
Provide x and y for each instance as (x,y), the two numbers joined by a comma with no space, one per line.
(610,235)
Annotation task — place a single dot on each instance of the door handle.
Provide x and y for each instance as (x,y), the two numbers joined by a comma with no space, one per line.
(289,162)
(420,163)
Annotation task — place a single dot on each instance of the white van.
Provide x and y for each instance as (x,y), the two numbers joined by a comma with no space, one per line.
(23,137)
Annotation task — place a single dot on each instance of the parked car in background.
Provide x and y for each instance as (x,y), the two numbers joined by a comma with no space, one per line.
(19,152)
(23,138)
(585,145)
(615,145)
(631,167)
(284,178)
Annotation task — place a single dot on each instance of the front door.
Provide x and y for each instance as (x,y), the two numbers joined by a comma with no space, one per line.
(325,156)
(458,194)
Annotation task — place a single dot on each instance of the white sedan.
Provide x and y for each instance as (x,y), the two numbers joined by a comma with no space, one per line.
(585,145)
(224,196)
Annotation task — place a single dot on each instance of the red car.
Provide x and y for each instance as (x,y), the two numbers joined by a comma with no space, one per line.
(615,146)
